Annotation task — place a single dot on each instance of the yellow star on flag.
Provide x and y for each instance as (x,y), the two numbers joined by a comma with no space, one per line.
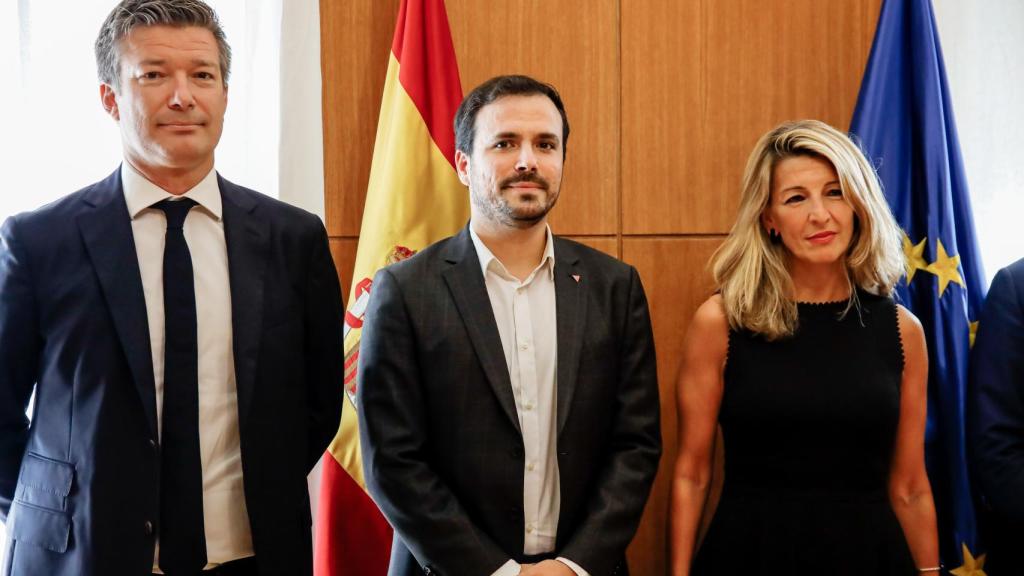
(914,255)
(972,566)
(974,333)
(945,267)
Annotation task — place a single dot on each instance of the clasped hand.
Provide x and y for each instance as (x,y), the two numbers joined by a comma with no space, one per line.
(546,568)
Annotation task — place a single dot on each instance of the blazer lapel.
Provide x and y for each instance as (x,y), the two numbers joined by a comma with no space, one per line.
(246,234)
(110,243)
(470,295)
(571,310)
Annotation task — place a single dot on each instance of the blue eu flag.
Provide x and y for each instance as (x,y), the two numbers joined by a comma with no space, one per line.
(904,120)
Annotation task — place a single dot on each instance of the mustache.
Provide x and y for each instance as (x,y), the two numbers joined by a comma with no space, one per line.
(530,177)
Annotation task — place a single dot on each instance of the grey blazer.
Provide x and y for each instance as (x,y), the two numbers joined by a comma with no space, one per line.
(442,448)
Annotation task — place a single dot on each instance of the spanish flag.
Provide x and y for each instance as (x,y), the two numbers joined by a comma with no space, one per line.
(414,198)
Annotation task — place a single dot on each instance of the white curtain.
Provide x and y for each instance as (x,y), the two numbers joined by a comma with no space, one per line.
(982,43)
(56,138)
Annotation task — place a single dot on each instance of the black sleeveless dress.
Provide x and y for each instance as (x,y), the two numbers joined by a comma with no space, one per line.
(809,424)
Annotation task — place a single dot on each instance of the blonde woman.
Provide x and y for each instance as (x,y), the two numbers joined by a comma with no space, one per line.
(816,376)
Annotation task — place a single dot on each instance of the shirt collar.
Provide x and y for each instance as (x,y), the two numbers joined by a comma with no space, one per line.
(489,261)
(140,193)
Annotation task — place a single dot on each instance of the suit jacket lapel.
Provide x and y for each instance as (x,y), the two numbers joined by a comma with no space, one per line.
(571,310)
(247,236)
(470,295)
(110,243)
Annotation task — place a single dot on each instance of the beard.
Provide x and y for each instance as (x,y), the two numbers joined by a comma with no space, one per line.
(520,211)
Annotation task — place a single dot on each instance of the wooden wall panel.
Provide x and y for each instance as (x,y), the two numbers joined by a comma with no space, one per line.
(607,244)
(662,117)
(732,70)
(778,72)
(675,278)
(573,46)
(343,250)
(355,47)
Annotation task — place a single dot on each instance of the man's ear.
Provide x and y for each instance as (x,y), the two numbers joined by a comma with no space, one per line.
(109,100)
(462,166)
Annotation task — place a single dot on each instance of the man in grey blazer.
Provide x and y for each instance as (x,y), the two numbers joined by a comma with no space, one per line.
(508,387)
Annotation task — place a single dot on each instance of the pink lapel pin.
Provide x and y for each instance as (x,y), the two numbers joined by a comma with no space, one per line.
(576,277)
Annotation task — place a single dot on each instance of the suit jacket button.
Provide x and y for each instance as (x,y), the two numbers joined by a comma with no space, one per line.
(152,444)
(147,527)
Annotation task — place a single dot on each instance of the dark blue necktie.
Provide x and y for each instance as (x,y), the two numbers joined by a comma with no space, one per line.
(182,538)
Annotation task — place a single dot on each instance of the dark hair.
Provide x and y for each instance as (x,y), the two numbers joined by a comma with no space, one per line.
(493,89)
(130,14)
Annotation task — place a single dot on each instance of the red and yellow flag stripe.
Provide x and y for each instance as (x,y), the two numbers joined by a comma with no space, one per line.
(413,199)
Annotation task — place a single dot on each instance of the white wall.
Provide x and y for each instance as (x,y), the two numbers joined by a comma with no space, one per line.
(983,41)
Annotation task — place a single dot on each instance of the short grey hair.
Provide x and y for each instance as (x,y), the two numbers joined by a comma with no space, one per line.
(131,14)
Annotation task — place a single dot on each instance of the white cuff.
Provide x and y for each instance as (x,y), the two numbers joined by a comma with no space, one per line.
(573,566)
(510,568)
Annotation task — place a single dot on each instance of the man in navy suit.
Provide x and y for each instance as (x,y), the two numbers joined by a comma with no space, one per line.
(182,335)
(996,420)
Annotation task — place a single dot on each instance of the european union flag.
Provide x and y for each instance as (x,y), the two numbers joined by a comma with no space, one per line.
(904,120)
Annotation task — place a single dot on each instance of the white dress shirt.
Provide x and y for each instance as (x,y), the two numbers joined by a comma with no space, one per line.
(525,315)
(225,518)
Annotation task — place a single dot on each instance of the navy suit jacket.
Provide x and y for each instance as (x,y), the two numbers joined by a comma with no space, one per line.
(79,486)
(996,420)
(442,446)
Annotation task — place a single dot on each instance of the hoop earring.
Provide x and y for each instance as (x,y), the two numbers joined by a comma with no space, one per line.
(774,236)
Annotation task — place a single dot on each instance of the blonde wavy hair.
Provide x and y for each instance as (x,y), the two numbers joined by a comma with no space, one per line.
(750,271)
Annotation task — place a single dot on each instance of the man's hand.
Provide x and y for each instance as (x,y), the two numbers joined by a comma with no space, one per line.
(546,568)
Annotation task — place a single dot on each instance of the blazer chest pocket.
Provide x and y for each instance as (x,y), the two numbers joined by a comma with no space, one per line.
(38,514)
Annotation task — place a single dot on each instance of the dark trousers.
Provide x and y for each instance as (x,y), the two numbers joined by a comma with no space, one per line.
(1002,538)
